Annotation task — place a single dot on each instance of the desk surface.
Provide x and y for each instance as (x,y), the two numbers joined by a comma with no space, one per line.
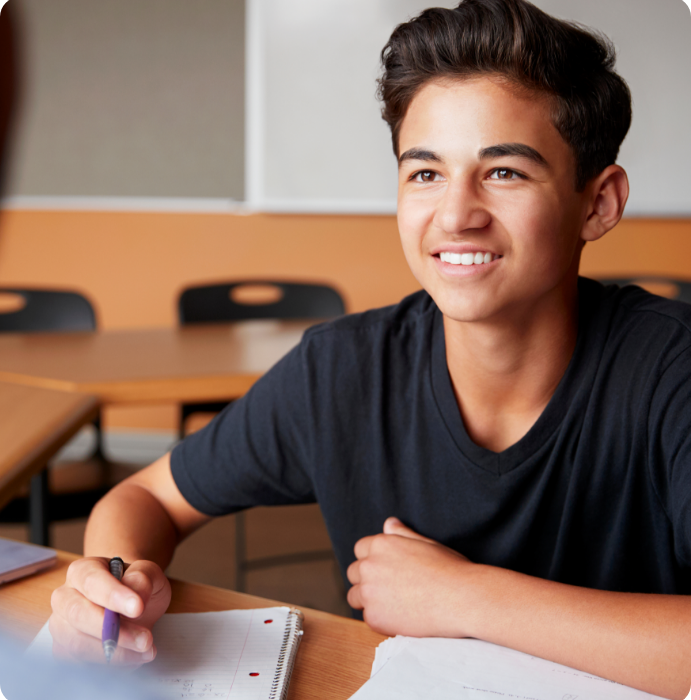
(334,660)
(195,363)
(34,424)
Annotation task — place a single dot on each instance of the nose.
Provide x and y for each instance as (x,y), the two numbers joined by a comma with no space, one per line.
(461,208)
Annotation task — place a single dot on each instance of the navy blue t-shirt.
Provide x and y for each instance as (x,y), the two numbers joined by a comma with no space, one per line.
(362,418)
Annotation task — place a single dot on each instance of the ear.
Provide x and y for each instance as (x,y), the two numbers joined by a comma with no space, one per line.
(609,192)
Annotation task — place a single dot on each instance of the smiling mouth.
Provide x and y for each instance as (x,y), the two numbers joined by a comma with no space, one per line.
(478,258)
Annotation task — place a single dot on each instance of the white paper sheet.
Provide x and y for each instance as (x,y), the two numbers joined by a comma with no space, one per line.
(229,654)
(434,668)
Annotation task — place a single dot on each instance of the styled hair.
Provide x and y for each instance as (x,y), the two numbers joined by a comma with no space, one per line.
(570,64)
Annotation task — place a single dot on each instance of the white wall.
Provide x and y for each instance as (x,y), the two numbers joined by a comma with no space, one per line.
(653,39)
(131,98)
(316,142)
(145,98)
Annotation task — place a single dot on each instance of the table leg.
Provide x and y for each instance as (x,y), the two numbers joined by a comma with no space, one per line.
(38,509)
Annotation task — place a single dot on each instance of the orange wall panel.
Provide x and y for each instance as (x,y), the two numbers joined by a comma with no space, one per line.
(133,265)
(641,246)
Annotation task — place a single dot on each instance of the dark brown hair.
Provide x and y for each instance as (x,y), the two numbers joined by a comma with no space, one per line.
(571,64)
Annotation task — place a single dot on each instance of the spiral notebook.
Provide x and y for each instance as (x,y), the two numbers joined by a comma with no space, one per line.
(230,654)
(235,654)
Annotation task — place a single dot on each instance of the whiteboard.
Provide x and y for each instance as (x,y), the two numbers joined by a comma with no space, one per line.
(316,142)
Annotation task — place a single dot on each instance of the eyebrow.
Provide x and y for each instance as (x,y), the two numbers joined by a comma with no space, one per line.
(501,150)
(520,150)
(420,154)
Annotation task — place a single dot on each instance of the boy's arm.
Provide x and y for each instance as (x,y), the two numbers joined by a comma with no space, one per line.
(141,520)
(408,584)
(143,517)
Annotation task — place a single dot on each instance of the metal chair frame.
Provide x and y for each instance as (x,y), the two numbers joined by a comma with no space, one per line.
(46,310)
(213,303)
(684,286)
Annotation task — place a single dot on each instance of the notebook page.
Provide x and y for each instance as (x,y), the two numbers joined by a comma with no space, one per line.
(386,650)
(229,654)
(42,643)
(470,669)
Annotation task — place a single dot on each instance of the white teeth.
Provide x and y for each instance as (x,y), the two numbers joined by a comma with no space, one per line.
(453,258)
(467,258)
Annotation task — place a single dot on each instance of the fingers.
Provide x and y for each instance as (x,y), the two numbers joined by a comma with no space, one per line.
(363,546)
(373,547)
(74,611)
(141,598)
(72,645)
(92,578)
(149,582)
(393,526)
(354,576)
(353,573)
(354,598)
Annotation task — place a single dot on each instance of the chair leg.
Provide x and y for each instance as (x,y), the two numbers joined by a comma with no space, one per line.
(38,509)
(240,552)
(181,422)
(98,451)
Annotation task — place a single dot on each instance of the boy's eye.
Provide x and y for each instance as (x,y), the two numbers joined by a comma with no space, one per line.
(505,174)
(425,176)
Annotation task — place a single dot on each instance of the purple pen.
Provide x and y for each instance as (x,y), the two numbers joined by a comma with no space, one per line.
(111,620)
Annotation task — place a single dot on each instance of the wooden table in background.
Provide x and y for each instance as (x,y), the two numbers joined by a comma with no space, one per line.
(34,424)
(210,362)
(334,659)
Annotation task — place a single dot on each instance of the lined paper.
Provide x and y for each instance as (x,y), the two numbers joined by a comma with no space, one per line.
(231,654)
(217,654)
(470,669)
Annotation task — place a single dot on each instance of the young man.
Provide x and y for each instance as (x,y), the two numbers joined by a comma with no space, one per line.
(528,429)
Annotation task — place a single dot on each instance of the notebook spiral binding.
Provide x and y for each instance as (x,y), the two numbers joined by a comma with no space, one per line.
(286,658)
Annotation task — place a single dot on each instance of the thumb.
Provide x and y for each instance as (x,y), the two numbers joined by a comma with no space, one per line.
(393,526)
(148,580)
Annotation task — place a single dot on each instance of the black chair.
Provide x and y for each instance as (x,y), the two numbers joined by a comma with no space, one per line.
(40,310)
(663,286)
(224,303)
(219,303)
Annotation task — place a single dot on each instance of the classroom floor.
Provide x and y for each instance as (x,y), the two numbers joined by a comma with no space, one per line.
(208,555)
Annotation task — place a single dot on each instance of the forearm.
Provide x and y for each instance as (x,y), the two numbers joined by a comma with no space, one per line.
(636,639)
(129,522)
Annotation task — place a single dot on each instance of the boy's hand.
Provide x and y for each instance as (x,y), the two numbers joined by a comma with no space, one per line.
(141,598)
(408,584)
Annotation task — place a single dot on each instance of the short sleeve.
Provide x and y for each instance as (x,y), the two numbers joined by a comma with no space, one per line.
(670,450)
(257,451)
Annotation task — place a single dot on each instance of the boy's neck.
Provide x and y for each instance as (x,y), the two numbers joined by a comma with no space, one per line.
(504,373)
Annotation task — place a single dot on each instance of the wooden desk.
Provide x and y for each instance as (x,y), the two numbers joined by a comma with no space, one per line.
(34,424)
(195,363)
(334,660)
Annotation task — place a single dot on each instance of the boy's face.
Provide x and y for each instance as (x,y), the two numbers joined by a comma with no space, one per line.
(483,172)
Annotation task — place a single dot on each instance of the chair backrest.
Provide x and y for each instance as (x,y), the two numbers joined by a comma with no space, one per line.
(663,286)
(220,302)
(47,310)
